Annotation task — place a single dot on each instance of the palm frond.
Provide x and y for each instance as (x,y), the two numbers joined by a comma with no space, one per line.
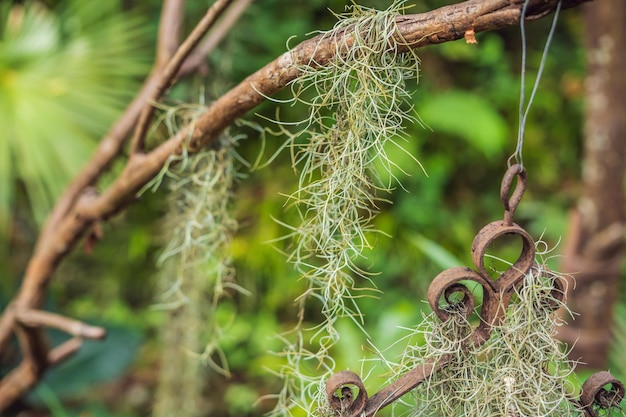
(65,74)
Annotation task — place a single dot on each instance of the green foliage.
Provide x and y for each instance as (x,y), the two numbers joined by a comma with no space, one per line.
(473,119)
(64,76)
(95,362)
(435,252)
(429,226)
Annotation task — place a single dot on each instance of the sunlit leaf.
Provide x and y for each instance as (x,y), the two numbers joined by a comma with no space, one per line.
(469,117)
(65,75)
(435,252)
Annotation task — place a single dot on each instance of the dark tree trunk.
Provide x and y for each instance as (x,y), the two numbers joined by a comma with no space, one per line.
(595,241)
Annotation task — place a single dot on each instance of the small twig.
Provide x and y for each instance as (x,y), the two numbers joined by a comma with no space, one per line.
(64,350)
(39,318)
(16,383)
(34,349)
(170,27)
(221,29)
(23,377)
(166,78)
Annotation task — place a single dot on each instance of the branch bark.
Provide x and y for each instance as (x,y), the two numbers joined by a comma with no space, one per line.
(170,27)
(81,207)
(595,247)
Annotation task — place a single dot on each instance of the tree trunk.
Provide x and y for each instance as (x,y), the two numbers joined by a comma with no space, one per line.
(595,241)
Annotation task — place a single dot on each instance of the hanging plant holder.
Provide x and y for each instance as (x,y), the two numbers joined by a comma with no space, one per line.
(449,294)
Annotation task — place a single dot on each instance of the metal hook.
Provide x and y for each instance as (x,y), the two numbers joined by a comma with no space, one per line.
(510,203)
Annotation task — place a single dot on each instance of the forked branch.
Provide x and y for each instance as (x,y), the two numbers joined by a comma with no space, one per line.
(81,207)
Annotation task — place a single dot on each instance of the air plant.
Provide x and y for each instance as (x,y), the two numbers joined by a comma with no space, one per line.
(358,106)
(196,271)
(521,370)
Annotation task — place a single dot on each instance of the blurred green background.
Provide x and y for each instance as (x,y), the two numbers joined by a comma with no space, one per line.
(67,68)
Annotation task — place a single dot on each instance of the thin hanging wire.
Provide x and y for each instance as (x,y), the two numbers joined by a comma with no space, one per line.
(523,112)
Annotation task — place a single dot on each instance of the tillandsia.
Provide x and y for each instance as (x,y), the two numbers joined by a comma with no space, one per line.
(196,271)
(521,370)
(358,104)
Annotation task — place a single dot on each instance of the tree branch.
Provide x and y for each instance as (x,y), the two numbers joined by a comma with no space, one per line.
(38,318)
(166,79)
(170,27)
(80,207)
(219,31)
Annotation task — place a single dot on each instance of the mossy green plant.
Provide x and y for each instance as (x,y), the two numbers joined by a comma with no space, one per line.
(358,107)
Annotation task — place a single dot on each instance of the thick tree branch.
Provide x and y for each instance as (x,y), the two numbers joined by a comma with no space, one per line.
(81,206)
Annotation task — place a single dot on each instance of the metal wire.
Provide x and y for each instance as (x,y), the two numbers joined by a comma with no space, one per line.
(524,108)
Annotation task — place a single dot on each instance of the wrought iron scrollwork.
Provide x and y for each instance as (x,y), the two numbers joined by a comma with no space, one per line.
(346,393)
(449,293)
(496,293)
(600,392)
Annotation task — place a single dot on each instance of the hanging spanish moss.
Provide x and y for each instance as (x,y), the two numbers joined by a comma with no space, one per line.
(358,105)
(196,274)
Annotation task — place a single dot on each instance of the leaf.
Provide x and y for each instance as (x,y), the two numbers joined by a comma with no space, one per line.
(435,252)
(95,362)
(65,75)
(469,116)
(6,188)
